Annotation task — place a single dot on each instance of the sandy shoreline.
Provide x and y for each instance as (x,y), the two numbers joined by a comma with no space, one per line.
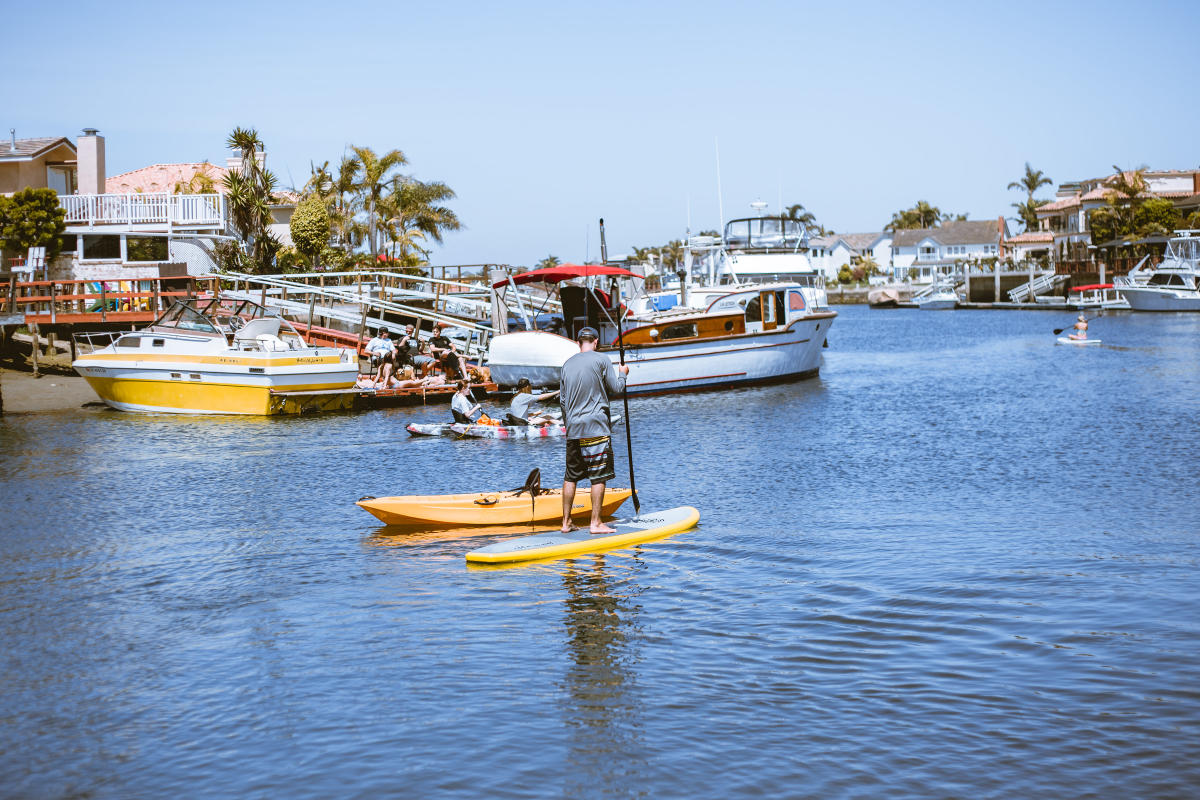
(22,393)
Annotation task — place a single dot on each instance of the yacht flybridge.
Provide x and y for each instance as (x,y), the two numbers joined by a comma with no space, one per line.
(209,357)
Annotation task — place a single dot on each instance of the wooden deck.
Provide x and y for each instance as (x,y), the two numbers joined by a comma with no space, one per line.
(367,399)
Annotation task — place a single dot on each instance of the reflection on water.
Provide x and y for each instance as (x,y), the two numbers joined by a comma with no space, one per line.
(962,562)
(602,704)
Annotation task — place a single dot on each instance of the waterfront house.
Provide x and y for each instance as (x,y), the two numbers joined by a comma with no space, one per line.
(44,163)
(1066,217)
(828,254)
(924,254)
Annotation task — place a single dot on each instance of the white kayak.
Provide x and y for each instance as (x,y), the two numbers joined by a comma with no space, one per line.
(1077,342)
(491,431)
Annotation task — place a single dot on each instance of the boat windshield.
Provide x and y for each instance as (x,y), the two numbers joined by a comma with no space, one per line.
(185,317)
(764,233)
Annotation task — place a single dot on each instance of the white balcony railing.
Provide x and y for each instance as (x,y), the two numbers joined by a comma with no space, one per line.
(174,210)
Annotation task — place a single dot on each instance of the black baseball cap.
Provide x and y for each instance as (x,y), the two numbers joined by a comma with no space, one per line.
(587,332)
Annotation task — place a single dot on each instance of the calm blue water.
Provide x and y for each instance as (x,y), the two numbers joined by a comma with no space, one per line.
(961,563)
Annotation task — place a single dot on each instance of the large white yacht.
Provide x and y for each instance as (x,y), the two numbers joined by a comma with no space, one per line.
(1173,285)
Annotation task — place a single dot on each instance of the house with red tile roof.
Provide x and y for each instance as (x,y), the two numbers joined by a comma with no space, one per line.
(1066,217)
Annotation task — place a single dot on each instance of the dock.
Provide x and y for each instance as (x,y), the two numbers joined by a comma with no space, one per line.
(319,402)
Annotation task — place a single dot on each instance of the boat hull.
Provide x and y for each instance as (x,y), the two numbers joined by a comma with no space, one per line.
(787,353)
(197,388)
(487,508)
(1148,298)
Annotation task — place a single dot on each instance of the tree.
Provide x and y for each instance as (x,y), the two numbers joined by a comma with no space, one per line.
(1156,216)
(374,177)
(798,213)
(922,215)
(548,262)
(413,213)
(249,193)
(310,227)
(1030,182)
(32,218)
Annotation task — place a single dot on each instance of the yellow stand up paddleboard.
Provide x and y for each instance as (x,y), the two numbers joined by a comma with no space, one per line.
(556,544)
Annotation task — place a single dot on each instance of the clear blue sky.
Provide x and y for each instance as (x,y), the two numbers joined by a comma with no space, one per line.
(544,117)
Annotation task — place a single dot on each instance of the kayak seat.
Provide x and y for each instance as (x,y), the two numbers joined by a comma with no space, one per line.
(515,422)
(533,485)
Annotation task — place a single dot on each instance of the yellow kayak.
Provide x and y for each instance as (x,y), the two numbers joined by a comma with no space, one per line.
(487,508)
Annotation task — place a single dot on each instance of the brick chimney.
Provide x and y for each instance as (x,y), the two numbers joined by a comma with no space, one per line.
(90,153)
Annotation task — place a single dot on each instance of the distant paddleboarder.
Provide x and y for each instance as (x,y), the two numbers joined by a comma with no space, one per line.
(1080,327)
(589,379)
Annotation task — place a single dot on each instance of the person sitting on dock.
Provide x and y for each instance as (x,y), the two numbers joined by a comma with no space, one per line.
(446,354)
(518,412)
(381,349)
(411,351)
(1080,328)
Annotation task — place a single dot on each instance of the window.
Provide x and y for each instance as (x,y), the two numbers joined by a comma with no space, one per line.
(682,330)
(795,301)
(146,248)
(129,341)
(754,311)
(96,248)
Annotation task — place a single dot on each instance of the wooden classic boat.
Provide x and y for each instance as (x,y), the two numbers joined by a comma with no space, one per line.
(750,333)
(209,357)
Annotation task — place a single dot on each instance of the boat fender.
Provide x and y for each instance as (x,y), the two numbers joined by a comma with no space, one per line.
(487,500)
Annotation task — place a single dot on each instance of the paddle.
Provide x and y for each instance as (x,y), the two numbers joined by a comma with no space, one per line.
(637,504)
(1057,331)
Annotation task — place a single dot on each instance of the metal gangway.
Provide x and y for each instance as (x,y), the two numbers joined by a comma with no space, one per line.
(357,301)
(1040,285)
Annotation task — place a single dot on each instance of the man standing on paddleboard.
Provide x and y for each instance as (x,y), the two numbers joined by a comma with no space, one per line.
(588,380)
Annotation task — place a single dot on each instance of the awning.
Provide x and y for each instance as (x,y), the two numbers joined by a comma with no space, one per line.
(564,272)
(1091,287)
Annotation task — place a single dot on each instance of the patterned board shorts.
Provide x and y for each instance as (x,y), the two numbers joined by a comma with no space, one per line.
(590,458)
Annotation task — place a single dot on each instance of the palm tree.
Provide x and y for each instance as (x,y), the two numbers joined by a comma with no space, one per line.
(412,212)
(1031,182)
(249,193)
(798,213)
(922,215)
(373,182)
(548,262)
(343,202)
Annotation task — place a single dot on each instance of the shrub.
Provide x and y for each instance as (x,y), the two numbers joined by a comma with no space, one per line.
(32,218)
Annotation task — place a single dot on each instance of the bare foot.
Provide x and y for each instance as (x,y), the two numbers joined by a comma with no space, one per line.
(602,528)
(573,527)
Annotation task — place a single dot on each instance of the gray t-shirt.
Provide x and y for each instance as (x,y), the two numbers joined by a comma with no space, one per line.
(588,380)
(520,405)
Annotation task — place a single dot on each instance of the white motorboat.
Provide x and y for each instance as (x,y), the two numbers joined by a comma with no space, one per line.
(748,334)
(1097,295)
(1173,285)
(211,357)
(938,297)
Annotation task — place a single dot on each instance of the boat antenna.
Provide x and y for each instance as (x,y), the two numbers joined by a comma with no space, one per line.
(637,504)
(720,201)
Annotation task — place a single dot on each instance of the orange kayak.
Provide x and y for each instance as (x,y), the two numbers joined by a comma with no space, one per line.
(487,508)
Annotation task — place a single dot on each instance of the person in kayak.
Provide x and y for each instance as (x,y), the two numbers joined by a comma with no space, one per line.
(518,411)
(589,379)
(1080,328)
(462,408)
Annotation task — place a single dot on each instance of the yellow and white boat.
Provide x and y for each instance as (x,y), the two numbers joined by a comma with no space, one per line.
(210,358)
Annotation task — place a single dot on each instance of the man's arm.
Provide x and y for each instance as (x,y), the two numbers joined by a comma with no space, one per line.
(614,380)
